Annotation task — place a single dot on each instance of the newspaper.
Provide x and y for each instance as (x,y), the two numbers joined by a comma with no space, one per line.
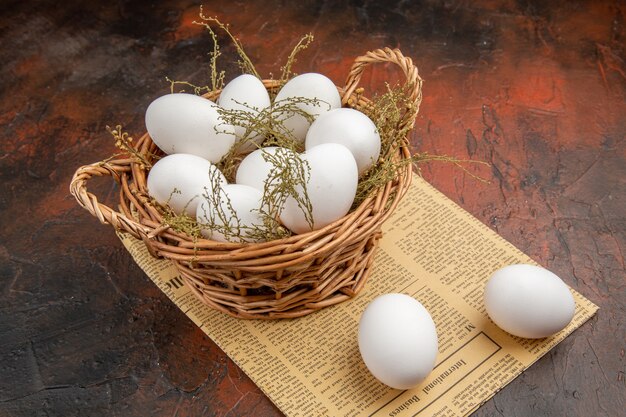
(432,250)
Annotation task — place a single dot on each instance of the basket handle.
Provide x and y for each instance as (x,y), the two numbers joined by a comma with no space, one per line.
(414,81)
(106,215)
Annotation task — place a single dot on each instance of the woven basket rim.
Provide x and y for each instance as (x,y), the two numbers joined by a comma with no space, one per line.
(237,251)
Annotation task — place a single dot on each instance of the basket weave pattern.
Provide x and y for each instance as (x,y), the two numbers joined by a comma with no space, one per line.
(283,278)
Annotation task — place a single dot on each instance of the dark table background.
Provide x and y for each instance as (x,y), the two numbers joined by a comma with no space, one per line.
(537,90)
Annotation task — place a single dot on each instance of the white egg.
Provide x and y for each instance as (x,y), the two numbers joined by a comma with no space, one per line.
(308,86)
(237,216)
(350,128)
(528,301)
(246,93)
(333,178)
(255,168)
(398,340)
(186,123)
(178,180)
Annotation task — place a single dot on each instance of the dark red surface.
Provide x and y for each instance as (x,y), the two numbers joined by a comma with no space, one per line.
(537,89)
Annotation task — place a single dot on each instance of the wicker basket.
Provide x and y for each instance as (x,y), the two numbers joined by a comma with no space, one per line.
(283,278)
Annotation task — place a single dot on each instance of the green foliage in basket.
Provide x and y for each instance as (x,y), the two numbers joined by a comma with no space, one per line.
(386,110)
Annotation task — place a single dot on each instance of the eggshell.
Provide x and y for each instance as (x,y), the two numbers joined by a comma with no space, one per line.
(239,204)
(528,301)
(186,123)
(398,340)
(309,86)
(331,188)
(178,180)
(245,93)
(350,128)
(254,169)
